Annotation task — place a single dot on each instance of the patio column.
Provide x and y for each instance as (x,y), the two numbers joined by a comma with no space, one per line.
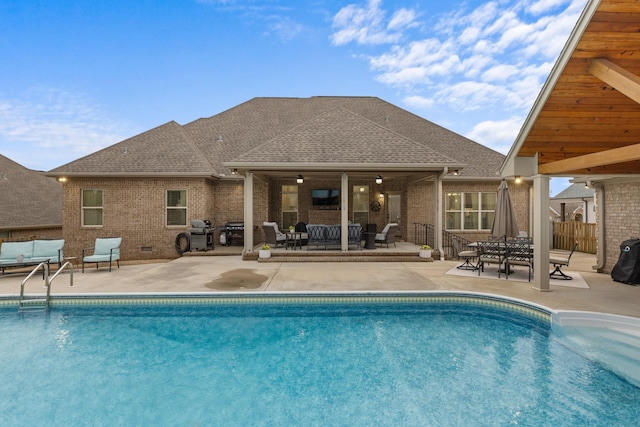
(344,213)
(541,230)
(248,213)
(437,222)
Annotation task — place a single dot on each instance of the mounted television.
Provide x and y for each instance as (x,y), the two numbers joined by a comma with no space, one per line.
(325,198)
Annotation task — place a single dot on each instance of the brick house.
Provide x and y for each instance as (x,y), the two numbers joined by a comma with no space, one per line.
(585,124)
(242,165)
(574,203)
(30,203)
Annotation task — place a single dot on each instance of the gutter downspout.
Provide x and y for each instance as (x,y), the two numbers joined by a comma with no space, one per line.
(601,254)
(439,213)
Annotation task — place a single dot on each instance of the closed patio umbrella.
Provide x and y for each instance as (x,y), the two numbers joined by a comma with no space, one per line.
(504,219)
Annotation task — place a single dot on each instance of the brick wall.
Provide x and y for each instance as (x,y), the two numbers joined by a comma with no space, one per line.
(422,205)
(135,209)
(35,233)
(621,213)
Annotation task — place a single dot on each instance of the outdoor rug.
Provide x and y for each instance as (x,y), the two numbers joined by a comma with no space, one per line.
(520,274)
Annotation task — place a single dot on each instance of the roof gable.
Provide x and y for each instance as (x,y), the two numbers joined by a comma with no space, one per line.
(341,136)
(202,147)
(165,150)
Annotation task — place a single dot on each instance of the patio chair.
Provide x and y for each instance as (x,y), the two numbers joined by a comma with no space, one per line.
(519,252)
(492,252)
(105,250)
(272,235)
(468,255)
(388,234)
(559,260)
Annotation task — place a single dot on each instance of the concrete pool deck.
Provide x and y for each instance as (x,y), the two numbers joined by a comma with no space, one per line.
(198,274)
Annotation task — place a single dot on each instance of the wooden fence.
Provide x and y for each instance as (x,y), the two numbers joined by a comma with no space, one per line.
(565,234)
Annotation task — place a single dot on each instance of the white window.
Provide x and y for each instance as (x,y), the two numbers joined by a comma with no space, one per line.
(92,208)
(176,208)
(361,204)
(289,206)
(469,210)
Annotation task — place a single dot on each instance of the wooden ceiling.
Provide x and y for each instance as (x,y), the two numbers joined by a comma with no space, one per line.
(589,124)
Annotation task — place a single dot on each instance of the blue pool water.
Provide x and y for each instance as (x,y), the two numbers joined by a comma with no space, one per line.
(286,365)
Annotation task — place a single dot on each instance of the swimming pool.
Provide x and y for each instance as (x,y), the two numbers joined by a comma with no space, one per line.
(300,361)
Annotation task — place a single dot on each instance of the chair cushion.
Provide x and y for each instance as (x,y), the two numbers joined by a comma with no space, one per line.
(47,248)
(101,258)
(11,250)
(104,246)
(279,234)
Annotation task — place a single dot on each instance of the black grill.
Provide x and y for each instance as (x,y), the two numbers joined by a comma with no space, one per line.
(234,231)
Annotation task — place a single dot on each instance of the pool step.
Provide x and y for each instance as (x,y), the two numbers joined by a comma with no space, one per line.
(32,304)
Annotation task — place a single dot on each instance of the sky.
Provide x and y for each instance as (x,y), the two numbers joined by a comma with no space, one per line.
(80,75)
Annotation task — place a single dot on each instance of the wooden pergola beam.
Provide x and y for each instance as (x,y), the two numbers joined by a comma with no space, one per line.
(601,158)
(617,77)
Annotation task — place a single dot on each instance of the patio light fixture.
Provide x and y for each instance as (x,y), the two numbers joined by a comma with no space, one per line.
(518,179)
(300,179)
(378,179)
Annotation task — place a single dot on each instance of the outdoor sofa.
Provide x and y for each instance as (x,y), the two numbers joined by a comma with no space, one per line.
(30,252)
(330,235)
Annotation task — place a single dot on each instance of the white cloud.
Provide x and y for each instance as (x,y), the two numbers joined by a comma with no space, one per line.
(403,18)
(498,135)
(365,25)
(499,73)
(284,28)
(418,101)
(55,125)
(493,58)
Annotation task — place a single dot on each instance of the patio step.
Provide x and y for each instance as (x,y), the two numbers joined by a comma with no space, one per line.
(313,256)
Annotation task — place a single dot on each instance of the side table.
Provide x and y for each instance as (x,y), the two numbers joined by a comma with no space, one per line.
(369,240)
(294,238)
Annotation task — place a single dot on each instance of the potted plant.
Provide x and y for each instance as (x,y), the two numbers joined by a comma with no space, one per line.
(265,251)
(425,251)
(291,229)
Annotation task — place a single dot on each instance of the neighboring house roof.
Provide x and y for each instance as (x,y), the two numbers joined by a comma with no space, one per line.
(573,198)
(575,191)
(29,198)
(276,131)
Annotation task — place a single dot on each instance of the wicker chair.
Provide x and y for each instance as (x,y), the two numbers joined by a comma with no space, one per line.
(272,235)
(388,234)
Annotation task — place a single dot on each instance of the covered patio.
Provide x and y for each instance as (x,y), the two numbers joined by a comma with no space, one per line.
(586,120)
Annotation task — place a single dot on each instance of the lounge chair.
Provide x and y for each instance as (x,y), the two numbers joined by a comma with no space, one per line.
(467,254)
(560,259)
(272,235)
(388,234)
(105,250)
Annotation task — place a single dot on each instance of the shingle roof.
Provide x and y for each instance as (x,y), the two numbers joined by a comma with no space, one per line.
(341,136)
(165,150)
(261,128)
(29,198)
(575,191)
